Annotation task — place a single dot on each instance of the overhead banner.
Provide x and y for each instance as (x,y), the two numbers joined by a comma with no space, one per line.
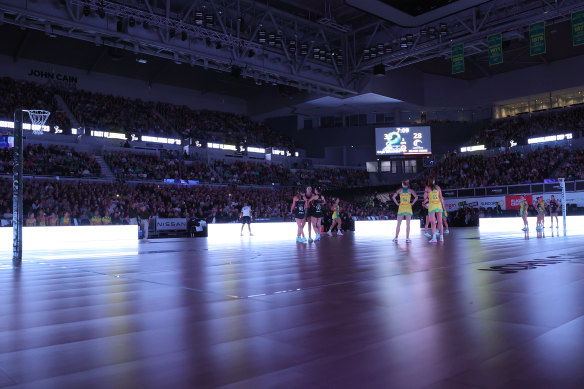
(495,49)
(578,28)
(537,38)
(457,57)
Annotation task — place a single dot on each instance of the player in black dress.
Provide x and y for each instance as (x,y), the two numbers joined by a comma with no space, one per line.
(298,209)
(554,207)
(316,212)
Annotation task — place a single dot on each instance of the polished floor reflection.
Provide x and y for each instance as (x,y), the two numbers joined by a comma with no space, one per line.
(486,309)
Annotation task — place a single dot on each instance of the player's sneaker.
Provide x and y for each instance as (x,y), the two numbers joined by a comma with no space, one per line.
(299,239)
(433,240)
(310,240)
(242,234)
(330,233)
(524,229)
(317,237)
(408,240)
(303,240)
(427,235)
(441,238)
(250,234)
(447,231)
(394,240)
(339,233)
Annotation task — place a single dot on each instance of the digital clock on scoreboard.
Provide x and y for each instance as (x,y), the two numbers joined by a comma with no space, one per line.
(403,140)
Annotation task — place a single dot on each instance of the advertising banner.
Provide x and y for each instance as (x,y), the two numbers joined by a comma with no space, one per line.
(484,202)
(171,224)
(513,202)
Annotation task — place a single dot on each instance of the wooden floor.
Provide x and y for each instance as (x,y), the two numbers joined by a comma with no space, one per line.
(482,310)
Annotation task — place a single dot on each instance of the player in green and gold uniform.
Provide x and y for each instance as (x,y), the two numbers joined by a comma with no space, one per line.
(433,194)
(405,194)
(523,213)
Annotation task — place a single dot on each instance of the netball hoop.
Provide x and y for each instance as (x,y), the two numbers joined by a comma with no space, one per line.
(38,118)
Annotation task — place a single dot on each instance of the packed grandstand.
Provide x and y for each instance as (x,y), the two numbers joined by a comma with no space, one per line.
(66,182)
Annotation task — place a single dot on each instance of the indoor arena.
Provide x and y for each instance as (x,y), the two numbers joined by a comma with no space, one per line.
(291,194)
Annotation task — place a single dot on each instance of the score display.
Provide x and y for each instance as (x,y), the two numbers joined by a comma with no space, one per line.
(403,140)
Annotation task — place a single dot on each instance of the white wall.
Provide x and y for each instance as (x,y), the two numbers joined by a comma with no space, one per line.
(120,86)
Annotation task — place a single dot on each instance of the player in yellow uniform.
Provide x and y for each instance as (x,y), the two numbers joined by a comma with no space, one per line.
(405,194)
(336,218)
(433,194)
(523,213)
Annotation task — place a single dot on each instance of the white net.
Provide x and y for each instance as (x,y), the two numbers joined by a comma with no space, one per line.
(38,118)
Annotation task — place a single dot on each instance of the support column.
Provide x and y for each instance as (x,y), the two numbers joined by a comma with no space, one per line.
(17,188)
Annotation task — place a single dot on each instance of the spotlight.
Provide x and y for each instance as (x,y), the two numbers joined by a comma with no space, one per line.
(403,42)
(316,53)
(303,49)
(209,20)
(443,29)
(271,39)
(366,55)
(292,46)
(379,70)
(86,10)
(432,33)
(262,36)
(380,50)
(409,40)
(141,60)
(199,18)
(373,52)
(387,47)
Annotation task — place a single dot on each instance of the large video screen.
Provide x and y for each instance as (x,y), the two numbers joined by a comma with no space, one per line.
(403,140)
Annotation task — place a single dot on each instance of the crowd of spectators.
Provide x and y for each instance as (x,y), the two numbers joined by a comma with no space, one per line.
(118,203)
(506,168)
(115,113)
(222,127)
(519,128)
(51,160)
(30,95)
(139,166)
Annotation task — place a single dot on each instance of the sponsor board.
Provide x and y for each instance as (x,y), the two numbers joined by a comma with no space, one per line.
(171,224)
(484,202)
(514,202)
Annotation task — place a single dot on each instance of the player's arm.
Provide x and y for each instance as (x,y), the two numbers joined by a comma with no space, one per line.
(395,196)
(441,198)
(415,197)
(322,199)
(293,204)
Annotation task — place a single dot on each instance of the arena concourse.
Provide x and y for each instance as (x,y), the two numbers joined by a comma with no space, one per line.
(327,194)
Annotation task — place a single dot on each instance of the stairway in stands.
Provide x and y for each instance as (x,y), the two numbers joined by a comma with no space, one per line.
(65,108)
(106,172)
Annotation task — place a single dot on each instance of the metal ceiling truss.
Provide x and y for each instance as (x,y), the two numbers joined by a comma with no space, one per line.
(471,27)
(230,42)
(272,46)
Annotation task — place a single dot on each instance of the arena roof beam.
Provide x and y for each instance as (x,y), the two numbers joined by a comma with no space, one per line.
(319,75)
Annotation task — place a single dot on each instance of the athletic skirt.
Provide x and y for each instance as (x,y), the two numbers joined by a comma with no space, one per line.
(405,210)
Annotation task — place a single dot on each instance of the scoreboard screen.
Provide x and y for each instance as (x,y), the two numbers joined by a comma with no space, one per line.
(403,140)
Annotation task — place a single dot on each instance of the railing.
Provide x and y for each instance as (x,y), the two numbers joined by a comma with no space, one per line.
(504,190)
